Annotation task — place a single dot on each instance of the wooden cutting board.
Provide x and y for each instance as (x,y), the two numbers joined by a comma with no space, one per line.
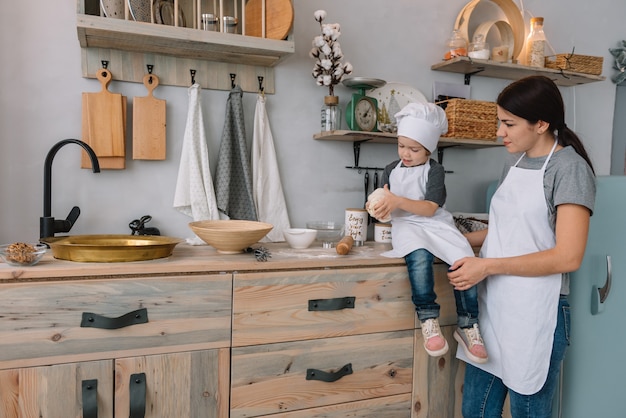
(278,18)
(149,121)
(104,124)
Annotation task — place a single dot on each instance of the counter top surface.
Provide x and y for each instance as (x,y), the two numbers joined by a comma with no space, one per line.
(203,259)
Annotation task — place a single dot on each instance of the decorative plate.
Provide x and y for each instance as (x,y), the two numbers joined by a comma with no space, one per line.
(139,10)
(164,13)
(112,8)
(392,97)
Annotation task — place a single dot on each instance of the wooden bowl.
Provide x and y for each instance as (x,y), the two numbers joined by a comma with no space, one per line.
(230,236)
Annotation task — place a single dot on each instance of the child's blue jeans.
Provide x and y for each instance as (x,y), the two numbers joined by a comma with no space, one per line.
(420,267)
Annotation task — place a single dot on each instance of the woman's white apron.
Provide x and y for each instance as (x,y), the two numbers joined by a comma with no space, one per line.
(518,314)
(410,232)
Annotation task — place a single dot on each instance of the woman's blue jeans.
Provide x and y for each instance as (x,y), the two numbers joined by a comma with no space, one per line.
(484,394)
(419,264)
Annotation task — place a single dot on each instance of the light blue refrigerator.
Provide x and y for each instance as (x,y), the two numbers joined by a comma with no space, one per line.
(593,381)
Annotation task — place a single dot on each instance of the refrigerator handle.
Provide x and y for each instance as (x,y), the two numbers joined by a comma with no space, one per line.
(599,295)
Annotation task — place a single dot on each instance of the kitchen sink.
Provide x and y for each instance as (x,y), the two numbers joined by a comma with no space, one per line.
(111,248)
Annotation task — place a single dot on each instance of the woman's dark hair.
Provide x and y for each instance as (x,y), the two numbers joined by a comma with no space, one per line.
(536,98)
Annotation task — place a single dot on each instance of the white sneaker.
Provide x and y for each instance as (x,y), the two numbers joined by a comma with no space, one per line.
(434,343)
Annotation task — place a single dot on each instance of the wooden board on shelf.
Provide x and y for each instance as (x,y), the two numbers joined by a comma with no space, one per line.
(509,71)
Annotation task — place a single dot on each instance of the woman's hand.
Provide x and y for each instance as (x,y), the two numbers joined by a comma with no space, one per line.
(467,272)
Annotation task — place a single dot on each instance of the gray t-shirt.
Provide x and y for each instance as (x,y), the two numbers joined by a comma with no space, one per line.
(568,179)
(435,185)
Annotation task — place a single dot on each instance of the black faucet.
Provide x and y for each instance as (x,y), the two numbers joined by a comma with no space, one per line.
(48,226)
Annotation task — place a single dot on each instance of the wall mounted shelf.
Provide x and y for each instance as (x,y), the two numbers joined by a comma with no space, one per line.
(486,68)
(358,137)
(130,46)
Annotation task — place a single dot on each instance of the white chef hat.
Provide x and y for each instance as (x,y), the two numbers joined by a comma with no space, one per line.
(422,122)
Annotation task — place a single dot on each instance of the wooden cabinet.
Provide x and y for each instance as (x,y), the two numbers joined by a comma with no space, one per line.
(160,386)
(295,337)
(157,344)
(337,343)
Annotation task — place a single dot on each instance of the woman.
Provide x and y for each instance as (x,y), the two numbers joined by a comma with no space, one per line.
(538,225)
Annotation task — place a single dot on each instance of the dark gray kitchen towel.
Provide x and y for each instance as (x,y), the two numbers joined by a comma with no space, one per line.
(233,178)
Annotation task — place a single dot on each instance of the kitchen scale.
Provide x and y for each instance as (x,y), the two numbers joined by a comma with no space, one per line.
(362,110)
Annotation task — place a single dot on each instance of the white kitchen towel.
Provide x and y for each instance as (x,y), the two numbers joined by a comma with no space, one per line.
(233,179)
(194,195)
(267,187)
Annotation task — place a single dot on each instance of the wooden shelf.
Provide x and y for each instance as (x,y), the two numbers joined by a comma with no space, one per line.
(389,138)
(487,68)
(102,32)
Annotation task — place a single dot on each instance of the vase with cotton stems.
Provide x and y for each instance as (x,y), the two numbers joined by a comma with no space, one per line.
(329,69)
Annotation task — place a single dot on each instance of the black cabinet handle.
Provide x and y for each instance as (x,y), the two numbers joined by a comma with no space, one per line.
(137,392)
(335,304)
(90,398)
(92,320)
(314,374)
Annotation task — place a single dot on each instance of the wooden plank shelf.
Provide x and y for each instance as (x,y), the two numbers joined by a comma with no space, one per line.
(487,68)
(102,32)
(390,138)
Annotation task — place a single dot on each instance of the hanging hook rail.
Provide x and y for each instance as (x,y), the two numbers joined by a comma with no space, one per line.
(261,88)
(150,67)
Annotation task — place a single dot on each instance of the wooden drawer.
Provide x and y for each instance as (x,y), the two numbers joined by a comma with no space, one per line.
(275,378)
(276,307)
(396,406)
(40,323)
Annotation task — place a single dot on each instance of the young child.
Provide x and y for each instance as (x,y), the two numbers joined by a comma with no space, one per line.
(413,197)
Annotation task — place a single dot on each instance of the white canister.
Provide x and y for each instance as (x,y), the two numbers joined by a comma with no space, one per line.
(356,225)
(382,232)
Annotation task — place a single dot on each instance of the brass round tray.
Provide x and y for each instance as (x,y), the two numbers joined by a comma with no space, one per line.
(111,248)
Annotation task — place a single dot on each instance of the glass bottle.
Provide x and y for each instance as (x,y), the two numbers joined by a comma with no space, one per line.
(331,114)
(457,45)
(536,44)
(479,49)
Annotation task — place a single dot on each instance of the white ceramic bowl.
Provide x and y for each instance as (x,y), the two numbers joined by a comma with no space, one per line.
(230,236)
(300,237)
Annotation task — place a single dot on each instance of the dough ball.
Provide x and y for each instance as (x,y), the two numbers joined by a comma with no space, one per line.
(373,199)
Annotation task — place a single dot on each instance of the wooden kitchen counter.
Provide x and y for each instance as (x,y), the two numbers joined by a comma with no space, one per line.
(202,259)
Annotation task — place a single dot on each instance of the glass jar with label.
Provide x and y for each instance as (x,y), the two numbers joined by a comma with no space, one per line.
(536,44)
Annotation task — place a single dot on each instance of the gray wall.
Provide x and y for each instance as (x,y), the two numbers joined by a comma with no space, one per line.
(40,104)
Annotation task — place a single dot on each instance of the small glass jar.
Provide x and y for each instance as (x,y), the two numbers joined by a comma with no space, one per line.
(536,44)
(229,24)
(331,114)
(210,22)
(478,49)
(457,45)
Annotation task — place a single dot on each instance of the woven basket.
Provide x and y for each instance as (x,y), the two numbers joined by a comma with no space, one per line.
(471,119)
(586,64)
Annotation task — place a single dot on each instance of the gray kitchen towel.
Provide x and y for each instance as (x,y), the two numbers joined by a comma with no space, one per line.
(233,178)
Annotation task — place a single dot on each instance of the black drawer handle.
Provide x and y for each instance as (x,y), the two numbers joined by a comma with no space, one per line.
(92,320)
(332,304)
(314,374)
(137,392)
(90,398)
